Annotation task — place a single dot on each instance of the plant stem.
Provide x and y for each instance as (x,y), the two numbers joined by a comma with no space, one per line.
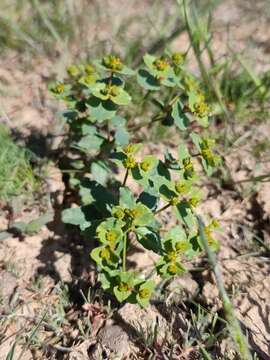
(162,209)
(148,123)
(124,253)
(233,324)
(125,178)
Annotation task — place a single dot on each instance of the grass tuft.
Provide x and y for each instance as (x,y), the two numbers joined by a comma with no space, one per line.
(16,173)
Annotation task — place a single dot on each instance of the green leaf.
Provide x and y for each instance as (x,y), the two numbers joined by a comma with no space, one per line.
(100,172)
(144,293)
(148,60)
(35,225)
(98,195)
(149,239)
(103,255)
(76,216)
(101,110)
(203,121)
(162,171)
(122,98)
(105,281)
(197,140)
(148,199)
(180,118)
(144,216)
(147,81)
(207,167)
(176,233)
(126,198)
(121,136)
(167,192)
(118,121)
(68,115)
(183,152)
(91,142)
(89,129)
(147,164)
(185,214)
(112,227)
(121,295)
(95,254)
(164,268)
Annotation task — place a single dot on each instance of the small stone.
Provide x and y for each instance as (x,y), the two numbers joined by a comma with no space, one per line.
(183,288)
(8,284)
(144,320)
(112,341)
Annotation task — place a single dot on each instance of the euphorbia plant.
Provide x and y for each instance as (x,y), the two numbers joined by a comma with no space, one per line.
(104,123)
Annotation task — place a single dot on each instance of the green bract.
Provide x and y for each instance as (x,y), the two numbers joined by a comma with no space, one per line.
(108,115)
(113,64)
(161,70)
(114,93)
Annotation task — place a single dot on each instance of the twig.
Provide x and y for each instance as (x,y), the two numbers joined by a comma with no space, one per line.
(125,178)
(162,209)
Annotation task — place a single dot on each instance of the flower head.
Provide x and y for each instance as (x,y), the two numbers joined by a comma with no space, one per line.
(112,62)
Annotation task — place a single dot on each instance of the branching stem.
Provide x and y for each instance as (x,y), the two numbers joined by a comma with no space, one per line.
(125,178)
(162,209)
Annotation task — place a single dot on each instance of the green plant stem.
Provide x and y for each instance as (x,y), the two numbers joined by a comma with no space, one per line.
(174,99)
(147,123)
(125,178)
(124,253)
(162,209)
(233,324)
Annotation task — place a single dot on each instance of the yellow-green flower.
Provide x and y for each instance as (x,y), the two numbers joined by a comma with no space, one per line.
(105,254)
(59,88)
(215,224)
(191,84)
(161,64)
(177,58)
(123,287)
(145,165)
(144,293)
(193,201)
(181,246)
(173,269)
(111,235)
(171,255)
(188,167)
(118,212)
(129,149)
(73,70)
(174,201)
(181,187)
(110,90)
(201,109)
(89,69)
(130,162)
(112,62)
